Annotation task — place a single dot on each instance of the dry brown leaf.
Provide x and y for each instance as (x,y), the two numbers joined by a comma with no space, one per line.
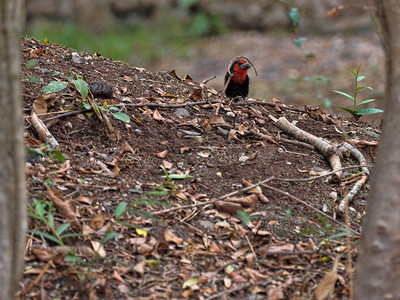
(48,254)
(125,147)
(276,293)
(171,237)
(333,12)
(197,95)
(98,221)
(327,284)
(65,207)
(217,120)
(98,248)
(117,276)
(66,166)
(139,268)
(41,104)
(256,190)
(157,116)
(168,165)
(214,248)
(162,154)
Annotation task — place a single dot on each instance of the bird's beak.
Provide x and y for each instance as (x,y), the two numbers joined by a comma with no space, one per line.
(245,66)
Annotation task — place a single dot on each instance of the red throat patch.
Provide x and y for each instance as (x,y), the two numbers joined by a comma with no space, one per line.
(239,75)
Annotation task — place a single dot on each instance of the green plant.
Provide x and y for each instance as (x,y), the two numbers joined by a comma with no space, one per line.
(355,111)
(43,211)
(326,231)
(83,88)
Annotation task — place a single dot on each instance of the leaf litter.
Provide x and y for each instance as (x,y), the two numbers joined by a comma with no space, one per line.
(157,211)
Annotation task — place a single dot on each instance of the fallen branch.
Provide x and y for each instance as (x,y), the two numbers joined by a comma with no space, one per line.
(359,184)
(323,146)
(44,134)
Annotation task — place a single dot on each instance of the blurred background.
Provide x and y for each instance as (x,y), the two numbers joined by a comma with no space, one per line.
(299,47)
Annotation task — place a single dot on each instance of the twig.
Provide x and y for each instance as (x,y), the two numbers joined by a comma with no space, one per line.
(208,79)
(43,132)
(37,279)
(283,107)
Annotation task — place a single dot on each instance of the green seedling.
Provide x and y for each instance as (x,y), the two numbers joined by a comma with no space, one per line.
(355,111)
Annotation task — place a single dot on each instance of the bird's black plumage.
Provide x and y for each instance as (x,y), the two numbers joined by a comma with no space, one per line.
(238,85)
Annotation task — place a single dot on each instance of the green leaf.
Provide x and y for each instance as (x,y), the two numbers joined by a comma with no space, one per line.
(54,87)
(364,87)
(60,156)
(33,79)
(39,207)
(368,111)
(351,70)
(56,73)
(337,235)
(122,117)
(366,101)
(344,94)
(85,105)
(351,111)
(31,63)
(82,87)
(244,216)
(359,78)
(108,237)
(298,42)
(152,262)
(62,228)
(190,282)
(121,207)
(50,217)
(294,15)
(46,235)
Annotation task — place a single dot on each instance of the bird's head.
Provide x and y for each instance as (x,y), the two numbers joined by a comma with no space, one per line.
(238,68)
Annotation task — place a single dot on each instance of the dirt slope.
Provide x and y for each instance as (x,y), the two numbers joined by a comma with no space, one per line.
(152,249)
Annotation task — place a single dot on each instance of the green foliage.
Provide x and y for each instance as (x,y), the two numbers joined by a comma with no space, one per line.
(43,212)
(49,152)
(294,15)
(244,217)
(355,111)
(326,231)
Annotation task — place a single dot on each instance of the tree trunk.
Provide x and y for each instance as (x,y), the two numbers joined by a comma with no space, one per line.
(12,160)
(378,266)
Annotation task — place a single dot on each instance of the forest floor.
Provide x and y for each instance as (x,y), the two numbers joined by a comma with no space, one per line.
(193,197)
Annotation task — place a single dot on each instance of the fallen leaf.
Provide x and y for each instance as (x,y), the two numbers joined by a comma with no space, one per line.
(162,154)
(171,237)
(65,207)
(157,116)
(48,254)
(98,248)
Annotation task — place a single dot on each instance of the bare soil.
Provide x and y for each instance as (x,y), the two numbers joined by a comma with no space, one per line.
(200,251)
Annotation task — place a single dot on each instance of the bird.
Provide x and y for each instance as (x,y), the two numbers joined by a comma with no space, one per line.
(236,83)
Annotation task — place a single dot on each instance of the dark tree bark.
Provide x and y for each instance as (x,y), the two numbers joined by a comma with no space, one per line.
(12,160)
(378,266)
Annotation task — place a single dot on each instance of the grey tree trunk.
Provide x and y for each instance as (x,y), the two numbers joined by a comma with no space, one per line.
(12,160)
(378,266)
